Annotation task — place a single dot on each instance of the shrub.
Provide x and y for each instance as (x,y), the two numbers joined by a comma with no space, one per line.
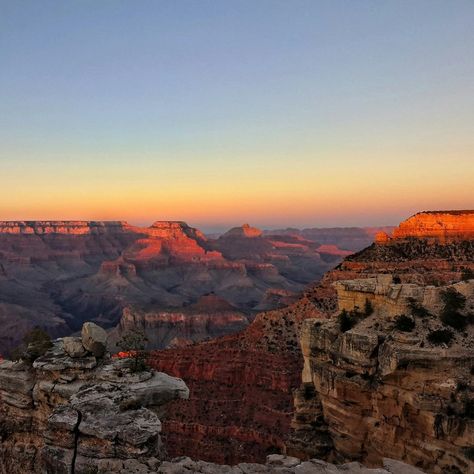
(404,323)
(469,409)
(417,310)
(440,336)
(133,343)
(35,344)
(452,299)
(454,319)
(467,274)
(368,308)
(453,303)
(461,386)
(469,452)
(346,321)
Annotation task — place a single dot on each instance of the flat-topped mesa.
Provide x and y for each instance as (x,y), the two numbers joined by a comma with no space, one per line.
(63,227)
(243,231)
(434,226)
(174,230)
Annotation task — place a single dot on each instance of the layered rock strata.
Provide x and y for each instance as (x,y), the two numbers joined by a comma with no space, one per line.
(266,346)
(434,226)
(241,400)
(377,390)
(76,412)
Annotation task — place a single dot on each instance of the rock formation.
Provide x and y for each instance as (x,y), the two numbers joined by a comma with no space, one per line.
(394,278)
(76,412)
(209,317)
(243,231)
(60,274)
(241,401)
(437,226)
(382,391)
(72,412)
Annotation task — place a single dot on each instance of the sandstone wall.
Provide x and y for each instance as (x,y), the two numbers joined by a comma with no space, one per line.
(439,226)
(377,391)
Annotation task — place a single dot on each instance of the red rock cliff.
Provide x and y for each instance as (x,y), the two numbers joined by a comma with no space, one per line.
(438,226)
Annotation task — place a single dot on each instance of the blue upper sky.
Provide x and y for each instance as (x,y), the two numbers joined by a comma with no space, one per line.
(288,112)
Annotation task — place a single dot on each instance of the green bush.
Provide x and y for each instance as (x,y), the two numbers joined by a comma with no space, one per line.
(134,343)
(467,274)
(454,319)
(469,409)
(346,321)
(452,299)
(440,336)
(453,303)
(368,308)
(469,452)
(404,323)
(35,344)
(416,309)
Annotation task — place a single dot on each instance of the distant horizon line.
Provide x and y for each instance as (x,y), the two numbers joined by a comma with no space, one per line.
(209,228)
(215,227)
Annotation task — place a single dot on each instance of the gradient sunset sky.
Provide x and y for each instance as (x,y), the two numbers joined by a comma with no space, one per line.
(280,113)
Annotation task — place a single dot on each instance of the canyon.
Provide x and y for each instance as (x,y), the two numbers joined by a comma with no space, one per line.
(374,361)
(58,274)
(76,410)
(360,388)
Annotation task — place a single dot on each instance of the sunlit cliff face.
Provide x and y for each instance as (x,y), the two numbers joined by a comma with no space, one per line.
(439,226)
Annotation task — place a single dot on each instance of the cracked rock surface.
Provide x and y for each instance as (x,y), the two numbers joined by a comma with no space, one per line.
(72,411)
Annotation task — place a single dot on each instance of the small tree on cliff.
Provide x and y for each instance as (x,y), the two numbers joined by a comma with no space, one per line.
(133,343)
(346,321)
(454,302)
(35,343)
(368,308)
(467,274)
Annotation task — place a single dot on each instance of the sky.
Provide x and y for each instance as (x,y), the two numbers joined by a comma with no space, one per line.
(278,113)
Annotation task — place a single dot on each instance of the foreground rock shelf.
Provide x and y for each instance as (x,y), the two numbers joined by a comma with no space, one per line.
(77,411)
(276,463)
(72,411)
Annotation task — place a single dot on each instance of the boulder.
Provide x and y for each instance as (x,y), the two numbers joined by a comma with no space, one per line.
(94,339)
(73,347)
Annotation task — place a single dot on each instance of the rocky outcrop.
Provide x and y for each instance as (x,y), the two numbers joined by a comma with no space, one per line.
(430,248)
(71,412)
(209,317)
(434,226)
(245,231)
(383,389)
(75,412)
(392,299)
